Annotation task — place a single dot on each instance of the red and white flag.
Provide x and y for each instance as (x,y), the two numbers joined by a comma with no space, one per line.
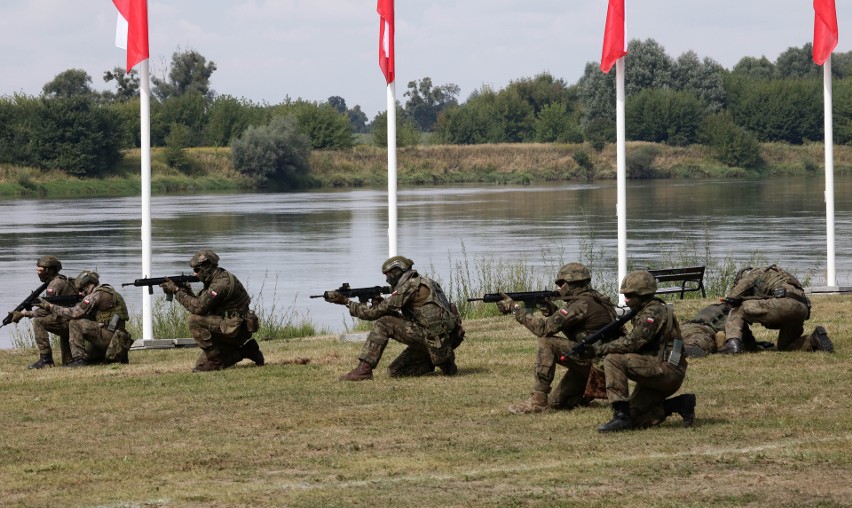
(614,45)
(825,30)
(385,10)
(131,31)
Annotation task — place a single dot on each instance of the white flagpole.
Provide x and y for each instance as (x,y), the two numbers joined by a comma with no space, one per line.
(145,128)
(621,174)
(830,275)
(392,215)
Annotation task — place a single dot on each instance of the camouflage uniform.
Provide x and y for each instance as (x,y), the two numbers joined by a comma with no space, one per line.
(649,355)
(775,299)
(583,313)
(88,325)
(45,323)
(418,315)
(217,319)
(705,333)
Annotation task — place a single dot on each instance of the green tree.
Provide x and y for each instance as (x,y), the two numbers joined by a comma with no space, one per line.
(126,85)
(73,134)
(788,110)
(476,121)
(228,117)
(323,125)
(189,73)
(664,116)
(797,63)
(275,154)
(189,109)
(70,83)
(406,132)
(178,139)
(754,68)
(554,123)
(425,102)
(703,79)
(357,119)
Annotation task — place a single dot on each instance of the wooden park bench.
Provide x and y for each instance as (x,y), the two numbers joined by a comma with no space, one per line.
(690,279)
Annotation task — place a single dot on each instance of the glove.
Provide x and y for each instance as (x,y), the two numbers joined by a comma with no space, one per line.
(44,304)
(16,316)
(169,287)
(547,308)
(376,300)
(506,305)
(335,297)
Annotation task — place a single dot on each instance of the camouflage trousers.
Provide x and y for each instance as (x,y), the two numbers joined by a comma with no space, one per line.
(219,341)
(783,314)
(569,391)
(420,357)
(655,381)
(89,340)
(699,336)
(43,327)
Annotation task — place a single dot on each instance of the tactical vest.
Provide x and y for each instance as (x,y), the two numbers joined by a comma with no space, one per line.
(712,315)
(773,278)
(237,300)
(104,316)
(62,286)
(601,313)
(435,314)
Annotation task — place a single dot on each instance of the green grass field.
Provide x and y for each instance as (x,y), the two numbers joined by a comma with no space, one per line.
(772,429)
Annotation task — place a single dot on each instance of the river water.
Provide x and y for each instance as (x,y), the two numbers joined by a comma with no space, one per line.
(287,246)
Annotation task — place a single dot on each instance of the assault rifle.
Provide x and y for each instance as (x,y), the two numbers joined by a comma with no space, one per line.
(362,294)
(530,299)
(156,281)
(605,331)
(26,304)
(61,300)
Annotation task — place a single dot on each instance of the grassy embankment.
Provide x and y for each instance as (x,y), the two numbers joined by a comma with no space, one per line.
(212,170)
(772,430)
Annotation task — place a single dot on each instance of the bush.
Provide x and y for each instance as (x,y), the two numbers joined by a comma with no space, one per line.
(275,153)
(731,144)
(599,132)
(640,162)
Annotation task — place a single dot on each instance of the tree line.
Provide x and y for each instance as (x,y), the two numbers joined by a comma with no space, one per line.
(687,100)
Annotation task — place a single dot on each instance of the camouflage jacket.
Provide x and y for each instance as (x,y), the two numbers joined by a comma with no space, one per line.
(582,314)
(654,328)
(100,305)
(223,295)
(415,298)
(60,285)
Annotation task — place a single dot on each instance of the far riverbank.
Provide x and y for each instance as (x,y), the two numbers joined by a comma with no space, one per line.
(211,169)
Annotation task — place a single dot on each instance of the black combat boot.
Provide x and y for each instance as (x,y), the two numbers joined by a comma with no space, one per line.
(621,419)
(449,368)
(820,341)
(77,362)
(251,351)
(363,372)
(684,405)
(731,346)
(44,360)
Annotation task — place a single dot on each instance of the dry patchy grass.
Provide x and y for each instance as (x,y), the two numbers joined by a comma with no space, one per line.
(772,430)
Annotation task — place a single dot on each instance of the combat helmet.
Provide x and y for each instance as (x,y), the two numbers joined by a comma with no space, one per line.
(401,262)
(640,283)
(573,272)
(85,278)
(49,262)
(204,256)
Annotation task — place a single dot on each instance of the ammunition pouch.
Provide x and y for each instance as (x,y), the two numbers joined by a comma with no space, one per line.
(231,323)
(118,345)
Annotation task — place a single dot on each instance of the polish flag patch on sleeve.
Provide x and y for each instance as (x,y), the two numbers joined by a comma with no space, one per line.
(563,312)
(649,320)
(50,291)
(213,294)
(86,301)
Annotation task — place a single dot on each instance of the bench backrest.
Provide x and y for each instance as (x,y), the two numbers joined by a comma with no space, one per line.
(672,274)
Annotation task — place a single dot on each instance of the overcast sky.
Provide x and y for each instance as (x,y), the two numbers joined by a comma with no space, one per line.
(314,49)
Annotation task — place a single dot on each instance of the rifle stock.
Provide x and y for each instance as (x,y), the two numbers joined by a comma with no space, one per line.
(601,333)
